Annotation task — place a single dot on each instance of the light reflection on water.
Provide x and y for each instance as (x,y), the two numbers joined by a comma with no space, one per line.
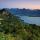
(31,20)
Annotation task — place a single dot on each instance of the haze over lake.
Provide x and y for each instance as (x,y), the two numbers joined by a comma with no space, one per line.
(31,20)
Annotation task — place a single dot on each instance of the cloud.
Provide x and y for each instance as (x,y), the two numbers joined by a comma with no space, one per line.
(18,4)
(23,5)
(2,0)
(18,0)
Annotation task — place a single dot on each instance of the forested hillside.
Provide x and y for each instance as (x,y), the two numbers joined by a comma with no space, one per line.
(13,28)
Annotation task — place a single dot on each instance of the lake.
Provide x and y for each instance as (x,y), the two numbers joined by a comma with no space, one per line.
(31,20)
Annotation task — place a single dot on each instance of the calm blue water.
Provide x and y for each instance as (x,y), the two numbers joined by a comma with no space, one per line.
(31,20)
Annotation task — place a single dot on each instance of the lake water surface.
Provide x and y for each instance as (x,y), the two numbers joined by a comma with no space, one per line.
(31,20)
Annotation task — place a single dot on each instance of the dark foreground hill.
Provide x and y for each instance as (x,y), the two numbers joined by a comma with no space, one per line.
(13,28)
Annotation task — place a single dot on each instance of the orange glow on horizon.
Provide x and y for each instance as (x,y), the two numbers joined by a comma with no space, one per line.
(23,5)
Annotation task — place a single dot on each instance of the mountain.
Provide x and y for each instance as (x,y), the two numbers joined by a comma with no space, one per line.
(13,28)
(25,12)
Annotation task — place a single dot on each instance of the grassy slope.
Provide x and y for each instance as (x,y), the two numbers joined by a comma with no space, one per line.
(13,28)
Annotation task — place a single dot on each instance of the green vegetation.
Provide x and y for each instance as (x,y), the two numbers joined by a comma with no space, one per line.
(13,28)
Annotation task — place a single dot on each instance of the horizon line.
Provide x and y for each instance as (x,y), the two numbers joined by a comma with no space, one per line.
(21,8)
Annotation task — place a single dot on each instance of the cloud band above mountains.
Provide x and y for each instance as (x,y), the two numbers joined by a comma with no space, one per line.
(20,4)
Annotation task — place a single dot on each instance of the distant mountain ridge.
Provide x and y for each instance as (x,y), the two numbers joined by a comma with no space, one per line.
(25,12)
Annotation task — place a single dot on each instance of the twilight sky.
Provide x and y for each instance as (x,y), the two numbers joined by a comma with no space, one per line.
(32,4)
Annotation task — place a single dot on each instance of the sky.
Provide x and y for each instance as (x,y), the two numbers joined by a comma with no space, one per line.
(28,4)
